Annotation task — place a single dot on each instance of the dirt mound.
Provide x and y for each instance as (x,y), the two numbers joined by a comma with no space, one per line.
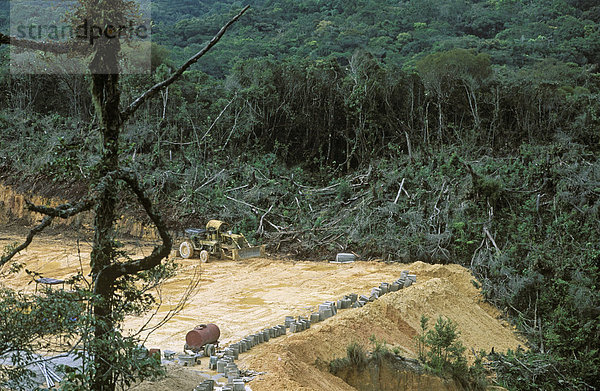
(298,362)
(178,379)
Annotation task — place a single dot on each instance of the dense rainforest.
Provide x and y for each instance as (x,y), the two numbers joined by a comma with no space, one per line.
(462,131)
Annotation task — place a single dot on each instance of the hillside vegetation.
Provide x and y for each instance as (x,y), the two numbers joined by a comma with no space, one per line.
(455,131)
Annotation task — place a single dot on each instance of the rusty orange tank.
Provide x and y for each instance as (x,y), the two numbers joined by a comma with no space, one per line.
(201,335)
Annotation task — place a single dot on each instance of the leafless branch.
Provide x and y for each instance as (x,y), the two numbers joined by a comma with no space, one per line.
(63,211)
(261,229)
(489,235)
(189,292)
(218,116)
(39,228)
(399,191)
(210,180)
(116,270)
(167,82)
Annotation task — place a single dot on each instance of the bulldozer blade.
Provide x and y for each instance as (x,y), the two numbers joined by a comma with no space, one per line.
(248,252)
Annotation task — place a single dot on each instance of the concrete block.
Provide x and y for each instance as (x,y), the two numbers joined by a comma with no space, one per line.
(169,354)
(345,257)
(333,306)
(238,385)
(288,321)
(187,360)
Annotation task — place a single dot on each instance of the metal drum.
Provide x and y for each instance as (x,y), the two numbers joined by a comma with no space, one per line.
(201,335)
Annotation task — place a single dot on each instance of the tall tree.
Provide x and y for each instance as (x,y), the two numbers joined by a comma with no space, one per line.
(458,68)
(106,269)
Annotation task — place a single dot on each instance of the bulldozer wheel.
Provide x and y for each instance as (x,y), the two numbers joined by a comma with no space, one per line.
(203,256)
(186,250)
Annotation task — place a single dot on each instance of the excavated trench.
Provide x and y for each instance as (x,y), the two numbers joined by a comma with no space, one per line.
(391,373)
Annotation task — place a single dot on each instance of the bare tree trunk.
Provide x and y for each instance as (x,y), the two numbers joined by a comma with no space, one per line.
(440,118)
(472,99)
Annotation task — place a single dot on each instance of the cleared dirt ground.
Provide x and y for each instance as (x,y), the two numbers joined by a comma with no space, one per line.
(248,296)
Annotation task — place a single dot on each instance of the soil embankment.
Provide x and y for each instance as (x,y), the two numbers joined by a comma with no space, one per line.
(392,373)
(14,213)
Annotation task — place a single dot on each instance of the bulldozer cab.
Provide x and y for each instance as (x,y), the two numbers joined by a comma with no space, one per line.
(215,229)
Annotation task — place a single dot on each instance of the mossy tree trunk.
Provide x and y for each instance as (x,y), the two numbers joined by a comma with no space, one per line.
(106,97)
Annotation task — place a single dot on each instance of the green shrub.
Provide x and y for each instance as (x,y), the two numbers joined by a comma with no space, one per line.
(442,353)
(357,355)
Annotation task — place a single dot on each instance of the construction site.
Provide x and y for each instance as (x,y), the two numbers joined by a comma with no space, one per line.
(267,312)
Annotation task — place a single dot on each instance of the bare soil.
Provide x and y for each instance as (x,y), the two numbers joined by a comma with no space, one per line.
(247,296)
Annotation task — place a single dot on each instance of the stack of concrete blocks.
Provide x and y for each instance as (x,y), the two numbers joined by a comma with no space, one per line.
(300,324)
(206,385)
(406,279)
(360,301)
(327,310)
(237,385)
(233,351)
(187,360)
(222,363)
(212,363)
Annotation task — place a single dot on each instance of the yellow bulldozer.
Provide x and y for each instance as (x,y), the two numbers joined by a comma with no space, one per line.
(217,240)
